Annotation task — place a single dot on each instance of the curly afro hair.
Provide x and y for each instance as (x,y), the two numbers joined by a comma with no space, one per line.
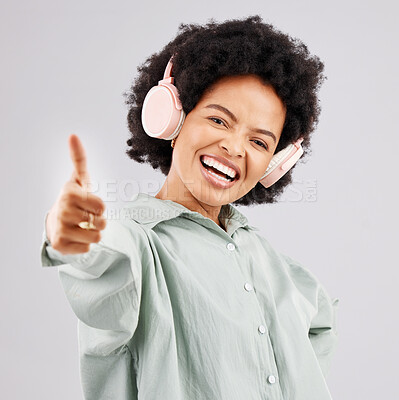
(204,54)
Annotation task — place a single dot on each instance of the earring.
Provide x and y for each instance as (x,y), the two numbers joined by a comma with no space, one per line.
(172,143)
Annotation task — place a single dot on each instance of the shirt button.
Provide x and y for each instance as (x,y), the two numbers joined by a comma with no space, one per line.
(231,246)
(261,329)
(248,287)
(271,379)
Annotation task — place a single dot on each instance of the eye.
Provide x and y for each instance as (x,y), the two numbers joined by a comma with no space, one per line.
(217,121)
(259,143)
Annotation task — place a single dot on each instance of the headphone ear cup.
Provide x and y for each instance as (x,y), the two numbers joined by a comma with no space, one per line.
(281,163)
(162,114)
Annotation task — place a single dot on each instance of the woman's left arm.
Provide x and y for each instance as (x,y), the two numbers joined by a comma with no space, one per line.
(323,329)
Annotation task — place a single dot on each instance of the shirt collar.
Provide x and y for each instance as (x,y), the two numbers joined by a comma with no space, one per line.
(150,211)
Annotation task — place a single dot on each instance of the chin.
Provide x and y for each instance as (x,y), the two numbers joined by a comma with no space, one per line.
(215,198)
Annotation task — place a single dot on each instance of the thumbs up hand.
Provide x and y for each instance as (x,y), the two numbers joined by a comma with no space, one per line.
(73,206)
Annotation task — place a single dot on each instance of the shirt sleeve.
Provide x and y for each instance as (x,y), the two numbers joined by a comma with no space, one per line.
(323,333)
(103,288)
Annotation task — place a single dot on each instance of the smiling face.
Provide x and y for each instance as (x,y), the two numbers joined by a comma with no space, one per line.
(234,129)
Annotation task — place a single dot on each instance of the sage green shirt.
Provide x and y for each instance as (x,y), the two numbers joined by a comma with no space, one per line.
(172,307)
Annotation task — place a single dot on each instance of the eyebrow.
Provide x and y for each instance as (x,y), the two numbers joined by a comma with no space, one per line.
(234,118)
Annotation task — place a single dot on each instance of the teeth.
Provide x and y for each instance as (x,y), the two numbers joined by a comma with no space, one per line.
(211,162)
(219,177)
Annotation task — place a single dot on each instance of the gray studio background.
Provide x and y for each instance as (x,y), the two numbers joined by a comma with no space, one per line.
(64,66)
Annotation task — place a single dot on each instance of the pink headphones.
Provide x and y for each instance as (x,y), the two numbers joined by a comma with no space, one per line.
(162,117)
(162,114)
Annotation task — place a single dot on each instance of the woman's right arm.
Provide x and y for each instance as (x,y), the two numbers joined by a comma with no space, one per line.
(101,275)
(100,271)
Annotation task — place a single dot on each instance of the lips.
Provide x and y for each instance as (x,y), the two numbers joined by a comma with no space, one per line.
(226,162)
(216,180)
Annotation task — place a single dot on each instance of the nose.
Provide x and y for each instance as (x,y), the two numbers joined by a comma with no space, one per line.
(234,147)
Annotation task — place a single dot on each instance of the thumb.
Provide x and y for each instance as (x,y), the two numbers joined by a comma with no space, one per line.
(78,156)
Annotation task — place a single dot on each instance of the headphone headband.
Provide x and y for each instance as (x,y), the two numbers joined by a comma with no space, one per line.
(168,70)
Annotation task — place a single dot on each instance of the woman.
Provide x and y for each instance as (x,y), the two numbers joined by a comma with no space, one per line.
(180,298)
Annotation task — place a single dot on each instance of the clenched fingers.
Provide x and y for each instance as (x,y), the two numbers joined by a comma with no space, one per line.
(79,235)
(72,218)
(75,197)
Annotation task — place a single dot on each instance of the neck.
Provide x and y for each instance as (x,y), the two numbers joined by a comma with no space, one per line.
(180,194)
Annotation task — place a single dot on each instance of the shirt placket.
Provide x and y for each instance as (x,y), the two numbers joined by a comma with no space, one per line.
(265,353)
